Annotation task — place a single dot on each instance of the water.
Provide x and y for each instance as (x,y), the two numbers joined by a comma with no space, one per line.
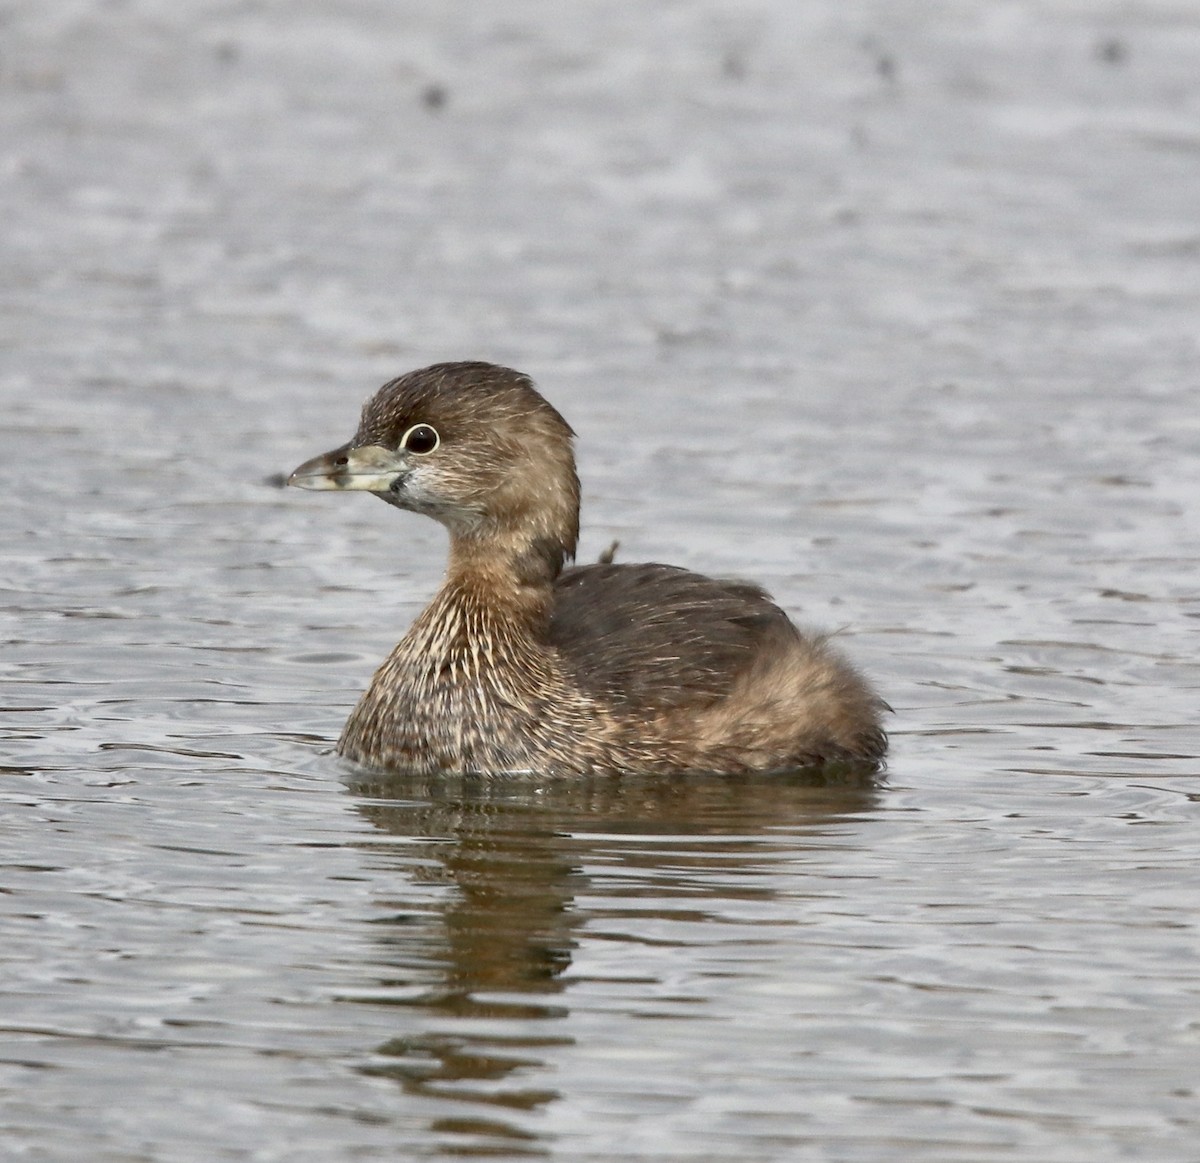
(892,308)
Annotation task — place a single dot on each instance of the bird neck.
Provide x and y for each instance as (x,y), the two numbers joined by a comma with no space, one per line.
(511,573)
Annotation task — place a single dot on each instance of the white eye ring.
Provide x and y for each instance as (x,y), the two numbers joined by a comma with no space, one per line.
(420,439)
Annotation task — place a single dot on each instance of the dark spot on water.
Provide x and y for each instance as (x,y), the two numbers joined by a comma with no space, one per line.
(434,97)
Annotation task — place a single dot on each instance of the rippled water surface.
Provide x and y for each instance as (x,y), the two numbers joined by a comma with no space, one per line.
(893,306)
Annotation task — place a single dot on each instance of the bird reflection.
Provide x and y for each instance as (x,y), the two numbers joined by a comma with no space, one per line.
(480,942)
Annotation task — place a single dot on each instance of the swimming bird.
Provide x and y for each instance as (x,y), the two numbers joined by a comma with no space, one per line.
(525,663)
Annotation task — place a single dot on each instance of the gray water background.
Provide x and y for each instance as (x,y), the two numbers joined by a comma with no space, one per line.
(893,306)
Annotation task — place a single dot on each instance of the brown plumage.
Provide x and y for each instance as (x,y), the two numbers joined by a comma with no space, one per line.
(521,665)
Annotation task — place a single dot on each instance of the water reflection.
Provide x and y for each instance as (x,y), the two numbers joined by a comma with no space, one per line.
(488,914)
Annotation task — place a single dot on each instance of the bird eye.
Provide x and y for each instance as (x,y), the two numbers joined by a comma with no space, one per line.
(420,438)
